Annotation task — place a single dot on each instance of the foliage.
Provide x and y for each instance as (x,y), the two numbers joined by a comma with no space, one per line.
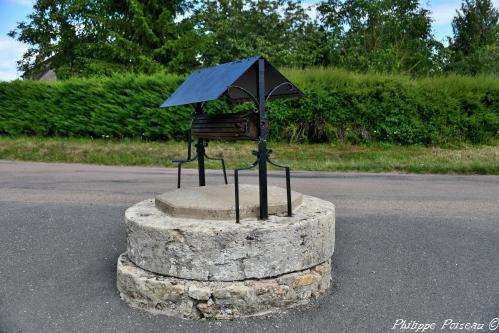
(121,106)
(381,36)
(95,37)
(474,27)
(103,37)
(279,30)
(484,60)
(475,46)
(339,106)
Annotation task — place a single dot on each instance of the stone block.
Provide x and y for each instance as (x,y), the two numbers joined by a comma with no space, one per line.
(226,300)
(221,250)
(199,293)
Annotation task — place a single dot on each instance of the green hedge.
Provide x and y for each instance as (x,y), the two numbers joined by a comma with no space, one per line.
(338,106)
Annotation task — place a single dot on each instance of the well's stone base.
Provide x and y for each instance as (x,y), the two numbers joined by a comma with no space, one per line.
(219,300)
(222,250)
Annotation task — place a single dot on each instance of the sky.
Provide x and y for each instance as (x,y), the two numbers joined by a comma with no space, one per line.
(12,11)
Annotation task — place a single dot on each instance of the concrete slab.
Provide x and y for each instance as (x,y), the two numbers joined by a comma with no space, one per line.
(216,202)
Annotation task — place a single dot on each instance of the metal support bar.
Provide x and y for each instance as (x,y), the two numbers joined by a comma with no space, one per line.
(223,165)
(288,192)
(180,162)
(189,144)
(236,189)
(250,95)
(236,185)
(288,184)
(179,175)
(277,87)
(225,172)
(200,154)
(190,159)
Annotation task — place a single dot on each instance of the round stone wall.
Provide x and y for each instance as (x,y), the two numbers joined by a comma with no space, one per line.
(221,250)
(182,264)
(219,300)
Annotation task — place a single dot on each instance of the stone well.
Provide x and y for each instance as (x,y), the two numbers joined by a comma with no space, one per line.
(187,257)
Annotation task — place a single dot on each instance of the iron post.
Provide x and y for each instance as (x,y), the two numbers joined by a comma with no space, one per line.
(262,142)
(200,152)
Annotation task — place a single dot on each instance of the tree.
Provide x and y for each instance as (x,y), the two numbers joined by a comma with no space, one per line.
(381,36)
(483,61)
(86,37)
(474,27)
(280,30)
(101,37)
(474,47)
(330,21)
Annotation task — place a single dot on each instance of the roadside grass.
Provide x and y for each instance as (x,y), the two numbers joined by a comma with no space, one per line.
(463,159)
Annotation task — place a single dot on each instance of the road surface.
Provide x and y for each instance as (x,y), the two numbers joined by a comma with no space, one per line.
(408,247)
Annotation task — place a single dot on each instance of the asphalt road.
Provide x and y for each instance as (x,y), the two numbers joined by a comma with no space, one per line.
(410,247)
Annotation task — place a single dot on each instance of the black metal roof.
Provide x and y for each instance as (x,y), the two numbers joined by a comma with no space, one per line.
(210,83)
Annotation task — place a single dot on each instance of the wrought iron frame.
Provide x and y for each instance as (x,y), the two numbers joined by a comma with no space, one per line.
(262,154)
(200,156)
(251,166)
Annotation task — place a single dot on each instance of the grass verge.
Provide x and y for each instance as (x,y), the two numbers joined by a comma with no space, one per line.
(465,159)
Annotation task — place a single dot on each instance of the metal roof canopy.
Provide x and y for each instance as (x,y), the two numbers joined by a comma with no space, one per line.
(234,80)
